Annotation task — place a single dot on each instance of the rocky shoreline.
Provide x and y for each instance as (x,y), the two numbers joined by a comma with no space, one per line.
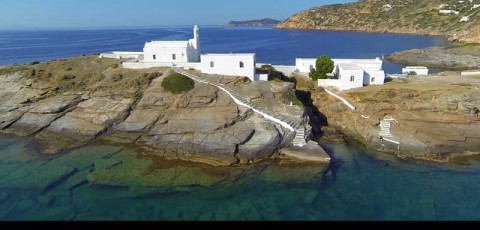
(458,56)
(436,118)
(202,125)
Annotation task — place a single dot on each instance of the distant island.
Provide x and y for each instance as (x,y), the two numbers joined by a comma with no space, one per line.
(258,22)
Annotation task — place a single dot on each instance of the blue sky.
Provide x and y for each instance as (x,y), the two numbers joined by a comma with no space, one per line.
(20,14)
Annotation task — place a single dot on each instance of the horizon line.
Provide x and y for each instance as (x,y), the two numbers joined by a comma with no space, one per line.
(107,27)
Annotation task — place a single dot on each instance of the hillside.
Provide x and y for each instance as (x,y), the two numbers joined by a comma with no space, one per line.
(259,22)
(393,16)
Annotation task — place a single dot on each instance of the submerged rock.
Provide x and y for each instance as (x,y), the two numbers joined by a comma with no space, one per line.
(312,152)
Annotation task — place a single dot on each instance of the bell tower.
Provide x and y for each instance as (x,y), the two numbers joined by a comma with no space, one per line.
(196,42)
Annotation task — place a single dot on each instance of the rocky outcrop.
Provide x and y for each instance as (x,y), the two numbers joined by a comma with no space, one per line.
(15,95)
(87,121)
(462,56)
(433,119)
(41,114)
(203,124)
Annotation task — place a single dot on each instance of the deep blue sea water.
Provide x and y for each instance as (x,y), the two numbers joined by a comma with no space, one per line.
(270,45)
(104,182)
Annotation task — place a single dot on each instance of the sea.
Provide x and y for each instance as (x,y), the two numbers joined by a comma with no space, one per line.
(101,181)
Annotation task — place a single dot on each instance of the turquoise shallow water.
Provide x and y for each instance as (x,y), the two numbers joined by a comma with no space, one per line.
(358,185)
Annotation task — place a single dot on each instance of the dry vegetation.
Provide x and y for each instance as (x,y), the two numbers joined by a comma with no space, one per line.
(405,16)
(84,73)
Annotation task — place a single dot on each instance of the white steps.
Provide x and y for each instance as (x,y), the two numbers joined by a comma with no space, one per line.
(384,132)
(298,140)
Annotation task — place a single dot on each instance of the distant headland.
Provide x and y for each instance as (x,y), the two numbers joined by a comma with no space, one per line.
(257,22)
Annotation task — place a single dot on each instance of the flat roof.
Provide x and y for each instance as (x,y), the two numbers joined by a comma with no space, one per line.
(167,43)
(229,54)
(341,60)
(349,66)
(415,67)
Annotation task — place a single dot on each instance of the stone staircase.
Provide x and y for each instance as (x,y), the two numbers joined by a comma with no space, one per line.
(288,122)
(385,133)
(299,139)
(385,128)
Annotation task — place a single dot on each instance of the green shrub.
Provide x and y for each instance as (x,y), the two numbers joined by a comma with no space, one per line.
(177,83)
(315,75)
(323,66)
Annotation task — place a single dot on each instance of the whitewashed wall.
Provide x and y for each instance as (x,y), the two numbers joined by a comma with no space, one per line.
(378,77)
(418,71)
(303,65)
(344,76)
(469,73)
(285,69)
(121,55)
(261,77)
(229,64)
(164,54)
(146,65)
(329,83)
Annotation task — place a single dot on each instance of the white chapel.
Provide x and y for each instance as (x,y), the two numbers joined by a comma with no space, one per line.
(173,51)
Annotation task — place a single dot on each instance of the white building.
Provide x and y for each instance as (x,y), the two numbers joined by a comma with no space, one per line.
(229,64)
(475,6)
(173,52)
(387,6)
(418,70)
(448,12)
(465,19)
(348,73)
(186,54)
(442,6)
(122,55)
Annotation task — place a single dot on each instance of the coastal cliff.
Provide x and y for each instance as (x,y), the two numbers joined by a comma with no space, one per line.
(68,103)
(392,16)
(434,118)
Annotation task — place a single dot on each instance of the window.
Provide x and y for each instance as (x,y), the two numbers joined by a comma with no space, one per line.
(212,64)
(373,79)
(241,64)
(154,57)
(174,56)
(352,78)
